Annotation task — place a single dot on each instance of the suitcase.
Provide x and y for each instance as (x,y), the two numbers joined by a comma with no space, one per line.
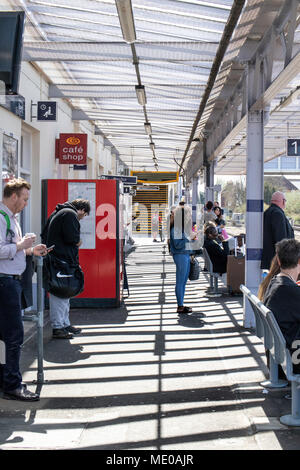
(235,271)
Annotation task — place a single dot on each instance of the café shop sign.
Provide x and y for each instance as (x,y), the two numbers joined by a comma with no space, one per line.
(72,148)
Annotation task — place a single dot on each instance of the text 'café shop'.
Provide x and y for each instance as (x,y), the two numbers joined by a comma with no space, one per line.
(72,148)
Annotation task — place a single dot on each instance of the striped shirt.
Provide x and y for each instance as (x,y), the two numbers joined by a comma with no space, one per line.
(11,260)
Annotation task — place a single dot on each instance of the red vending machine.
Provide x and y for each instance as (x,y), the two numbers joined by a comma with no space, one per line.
(101,252)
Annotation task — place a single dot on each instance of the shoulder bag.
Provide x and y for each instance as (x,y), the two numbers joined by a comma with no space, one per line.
(194,269)
(62,279)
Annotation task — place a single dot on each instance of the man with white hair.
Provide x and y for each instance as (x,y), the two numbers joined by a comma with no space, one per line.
(276,228)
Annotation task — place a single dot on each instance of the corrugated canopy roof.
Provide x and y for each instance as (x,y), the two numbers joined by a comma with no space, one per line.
(186,62)
(80,46)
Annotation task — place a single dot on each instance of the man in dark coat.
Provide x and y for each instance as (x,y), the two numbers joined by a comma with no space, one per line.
(276,228)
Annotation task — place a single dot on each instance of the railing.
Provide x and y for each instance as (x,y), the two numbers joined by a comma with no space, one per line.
(38,317)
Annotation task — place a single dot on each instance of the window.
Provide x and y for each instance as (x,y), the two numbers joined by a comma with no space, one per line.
(272,165)
(288,163)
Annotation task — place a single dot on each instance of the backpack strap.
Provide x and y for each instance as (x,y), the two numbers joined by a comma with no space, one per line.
(5,215)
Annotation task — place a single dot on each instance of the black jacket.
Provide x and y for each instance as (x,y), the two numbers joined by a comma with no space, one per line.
(63,230)
(217,255)
(276,228)
(283,299)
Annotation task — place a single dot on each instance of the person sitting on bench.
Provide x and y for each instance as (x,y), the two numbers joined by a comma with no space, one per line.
(217,252)
(283,294)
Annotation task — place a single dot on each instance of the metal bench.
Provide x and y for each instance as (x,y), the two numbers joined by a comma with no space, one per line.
(281,355)
(268,328)
(213,277)
(263,332)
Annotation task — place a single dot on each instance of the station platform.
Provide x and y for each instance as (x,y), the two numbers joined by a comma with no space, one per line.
(143,377)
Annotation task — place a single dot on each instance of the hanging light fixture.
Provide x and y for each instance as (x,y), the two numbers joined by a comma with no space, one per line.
(148,128)
(126,19)
(141,95)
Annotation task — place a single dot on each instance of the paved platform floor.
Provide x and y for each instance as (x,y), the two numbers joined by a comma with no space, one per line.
(143,377)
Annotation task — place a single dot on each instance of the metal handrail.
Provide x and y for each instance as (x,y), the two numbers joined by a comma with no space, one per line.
(38,317)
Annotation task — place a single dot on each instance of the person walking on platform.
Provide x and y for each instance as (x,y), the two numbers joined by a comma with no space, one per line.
(276,227)
(155,225)
(13,251)
(180,233)
(63,231)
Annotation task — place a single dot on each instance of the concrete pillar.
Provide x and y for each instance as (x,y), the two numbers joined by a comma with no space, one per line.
(254,193)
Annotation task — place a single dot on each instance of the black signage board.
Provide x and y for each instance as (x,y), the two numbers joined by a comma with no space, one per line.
(79,167)
(125,179)
(46,110)
(293,148)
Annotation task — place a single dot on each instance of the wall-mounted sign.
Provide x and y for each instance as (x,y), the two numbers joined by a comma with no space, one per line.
(9,158)
(87,224)
(73,149)
(156,177)
(15,104)
(293,148)
(80,167)
(46,110)
(125,179)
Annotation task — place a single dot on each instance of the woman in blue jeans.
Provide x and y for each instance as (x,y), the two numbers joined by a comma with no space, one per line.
(180,222)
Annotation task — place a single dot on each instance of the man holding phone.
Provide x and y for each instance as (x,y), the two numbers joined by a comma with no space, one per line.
(13,251)
(62,233)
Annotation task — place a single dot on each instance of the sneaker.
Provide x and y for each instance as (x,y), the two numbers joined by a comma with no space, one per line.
(73,330)
(61,333)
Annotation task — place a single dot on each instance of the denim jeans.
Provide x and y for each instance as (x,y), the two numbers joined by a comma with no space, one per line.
(59,312)
(182,262)
(11,332)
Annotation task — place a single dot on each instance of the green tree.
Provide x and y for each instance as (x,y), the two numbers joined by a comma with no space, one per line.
(234,196)
(269,189)
(293,205)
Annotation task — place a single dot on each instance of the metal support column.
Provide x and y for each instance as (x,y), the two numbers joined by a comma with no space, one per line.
(179,189)
(209,192)
(255,190)
(194,198)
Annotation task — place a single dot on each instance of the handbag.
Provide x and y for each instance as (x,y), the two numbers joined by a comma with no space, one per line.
(194,270)
(61,278)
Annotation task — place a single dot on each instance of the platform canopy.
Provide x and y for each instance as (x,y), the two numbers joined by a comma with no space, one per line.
(159,77)
(80,46)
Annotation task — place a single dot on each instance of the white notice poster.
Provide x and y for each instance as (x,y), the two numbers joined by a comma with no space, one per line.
(88,224)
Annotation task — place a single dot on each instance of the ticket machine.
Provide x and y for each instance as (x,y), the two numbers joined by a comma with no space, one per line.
(101,252)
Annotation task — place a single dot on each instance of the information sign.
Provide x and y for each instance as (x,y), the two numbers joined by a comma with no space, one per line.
(293,148)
